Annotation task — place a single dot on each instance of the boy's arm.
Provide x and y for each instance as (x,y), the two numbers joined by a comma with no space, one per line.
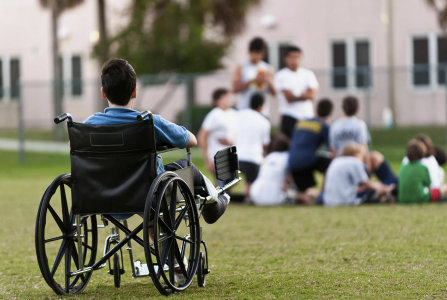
(238,85)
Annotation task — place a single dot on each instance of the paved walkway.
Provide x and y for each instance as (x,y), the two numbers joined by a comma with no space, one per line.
(34,146)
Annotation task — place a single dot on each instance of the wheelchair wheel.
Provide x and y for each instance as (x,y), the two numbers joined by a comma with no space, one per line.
(116,270)
(170,217)
(201,272)
(55,239)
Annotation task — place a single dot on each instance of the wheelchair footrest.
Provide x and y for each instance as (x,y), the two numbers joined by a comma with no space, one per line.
(142,269)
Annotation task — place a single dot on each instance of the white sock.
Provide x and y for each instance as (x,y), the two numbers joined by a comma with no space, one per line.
(211,189)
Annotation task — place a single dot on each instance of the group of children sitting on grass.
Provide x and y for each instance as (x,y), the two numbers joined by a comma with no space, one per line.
(347,166)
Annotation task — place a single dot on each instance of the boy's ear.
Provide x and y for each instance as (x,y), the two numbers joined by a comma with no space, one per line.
(134,93)
(103,94)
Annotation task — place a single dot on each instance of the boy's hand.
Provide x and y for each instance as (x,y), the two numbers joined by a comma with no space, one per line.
(225,141)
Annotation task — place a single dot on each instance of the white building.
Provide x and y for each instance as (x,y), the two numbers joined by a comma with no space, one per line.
(350,37)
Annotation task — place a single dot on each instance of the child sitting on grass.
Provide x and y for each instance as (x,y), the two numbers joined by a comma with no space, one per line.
(414,177)
(347,182)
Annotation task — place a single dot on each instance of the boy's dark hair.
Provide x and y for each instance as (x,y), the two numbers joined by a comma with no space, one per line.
(292,48)
(256,101)
(427,142)
(256,45)
(279,143)
(350,105)
(118,80)
(324,107)
(440,155)
(218,93)
(415,150)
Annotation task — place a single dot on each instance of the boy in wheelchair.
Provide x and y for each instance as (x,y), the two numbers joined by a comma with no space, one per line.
(118,80)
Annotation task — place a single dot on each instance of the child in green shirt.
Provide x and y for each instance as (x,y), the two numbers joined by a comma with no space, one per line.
(414,179)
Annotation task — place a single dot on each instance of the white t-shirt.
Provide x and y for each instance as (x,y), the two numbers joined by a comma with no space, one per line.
(251,134)
(267,189)
(249,71)
(436,173)
(220,124)
(298,82)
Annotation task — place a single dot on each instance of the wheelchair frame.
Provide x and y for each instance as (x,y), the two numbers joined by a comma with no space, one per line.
(138,270)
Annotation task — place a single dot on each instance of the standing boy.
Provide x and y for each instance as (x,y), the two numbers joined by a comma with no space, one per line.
(254,75)
(296,87)
(251,138)
(307,137)
(217,131)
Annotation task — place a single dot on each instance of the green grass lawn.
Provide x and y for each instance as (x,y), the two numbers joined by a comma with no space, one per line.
(374,252)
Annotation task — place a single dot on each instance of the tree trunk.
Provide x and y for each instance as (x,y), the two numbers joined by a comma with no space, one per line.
(104,53)
(57,82)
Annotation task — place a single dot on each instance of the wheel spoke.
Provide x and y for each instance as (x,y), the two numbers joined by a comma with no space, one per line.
(163,225)
(183,239)
(58,220)
(164,207)
(164,256)
(75,256)
(59,256)
(67,266)
(173,205)
(171,263)
(179,258)
(65,214)
(56,239)
(164,238)
(87,246)
(180,217)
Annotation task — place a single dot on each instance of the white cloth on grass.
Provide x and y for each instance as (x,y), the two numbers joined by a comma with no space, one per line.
(297,82)
(267,189)
(251,135)
(347,130)
(436,173)
(220,124)
(344,175)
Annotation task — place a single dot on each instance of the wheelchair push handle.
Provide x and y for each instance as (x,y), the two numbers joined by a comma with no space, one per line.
(143,115)
(62,118)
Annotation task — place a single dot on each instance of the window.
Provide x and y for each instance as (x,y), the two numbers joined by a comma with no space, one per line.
(339,65)
(76,77)
(421,63)
(282,49)
(442,60)
(1,79)
(362,66)
(15,76)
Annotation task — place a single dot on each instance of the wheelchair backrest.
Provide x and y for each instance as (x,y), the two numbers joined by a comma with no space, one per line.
(112,166)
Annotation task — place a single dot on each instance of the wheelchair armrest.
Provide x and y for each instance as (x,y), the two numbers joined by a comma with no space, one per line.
(165,148)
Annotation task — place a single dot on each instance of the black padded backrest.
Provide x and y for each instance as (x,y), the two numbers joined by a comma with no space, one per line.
(112,166)
(226,164)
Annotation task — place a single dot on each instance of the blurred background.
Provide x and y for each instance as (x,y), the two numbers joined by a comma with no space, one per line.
(392,54)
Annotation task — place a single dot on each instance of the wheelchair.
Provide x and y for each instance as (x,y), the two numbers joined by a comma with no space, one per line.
(114,173)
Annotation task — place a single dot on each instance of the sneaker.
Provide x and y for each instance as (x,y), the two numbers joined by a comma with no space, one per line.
(224,197)
(178,275)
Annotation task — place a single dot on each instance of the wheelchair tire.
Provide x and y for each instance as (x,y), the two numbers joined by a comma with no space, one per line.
(201,272)
(166,256)
(55,219)
(116,270)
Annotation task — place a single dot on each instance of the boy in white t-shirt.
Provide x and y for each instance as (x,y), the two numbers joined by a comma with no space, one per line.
(296,88)
(270,186)
(254,75)
(217,131)
(252,136)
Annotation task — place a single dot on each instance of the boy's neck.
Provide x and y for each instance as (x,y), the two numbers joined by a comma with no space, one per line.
(129,105)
